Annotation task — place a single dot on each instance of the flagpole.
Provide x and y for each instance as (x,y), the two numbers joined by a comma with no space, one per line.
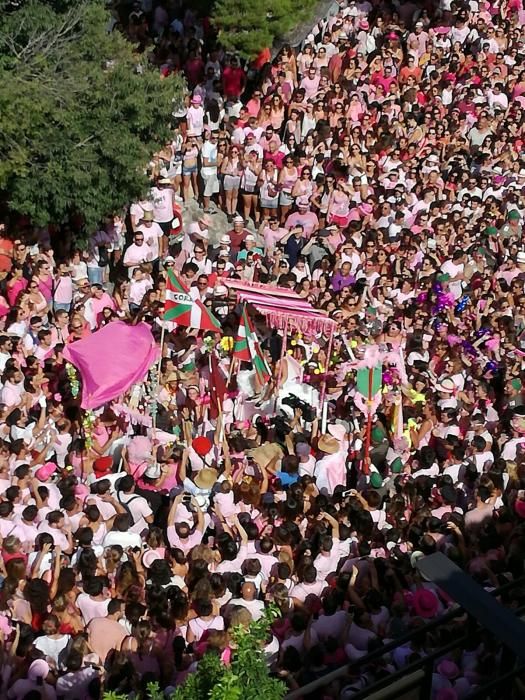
(283,353)
(157,379)
(322,399)
(365,467)
(219,400)
(233,363)
(281,362)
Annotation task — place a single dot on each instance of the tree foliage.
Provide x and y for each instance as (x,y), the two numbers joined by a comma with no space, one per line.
(80,113)
(246,678)
(248,26)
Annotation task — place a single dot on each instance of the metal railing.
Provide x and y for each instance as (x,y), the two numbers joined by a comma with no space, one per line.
(426,664)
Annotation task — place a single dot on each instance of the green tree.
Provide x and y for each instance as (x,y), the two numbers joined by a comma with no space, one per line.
(246,678)
(248,26)
(80,113)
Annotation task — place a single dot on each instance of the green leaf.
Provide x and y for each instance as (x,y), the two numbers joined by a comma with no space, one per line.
(78,121)
(248,26)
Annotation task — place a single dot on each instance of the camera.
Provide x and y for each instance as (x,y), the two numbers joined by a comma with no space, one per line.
(280,425)
(295,402)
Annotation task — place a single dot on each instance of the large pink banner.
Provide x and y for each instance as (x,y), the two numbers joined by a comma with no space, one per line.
(111,360)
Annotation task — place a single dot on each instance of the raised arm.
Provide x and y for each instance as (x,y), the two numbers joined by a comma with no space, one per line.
(242,532)
(333,523)
(200,515)
(173,510)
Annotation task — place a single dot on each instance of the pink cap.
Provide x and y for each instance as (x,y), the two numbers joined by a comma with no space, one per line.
(81,491)
(38,669)
(44,472)
(196,100)
(363,24)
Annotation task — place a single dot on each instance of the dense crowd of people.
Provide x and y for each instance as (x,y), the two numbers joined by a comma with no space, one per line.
(378,171)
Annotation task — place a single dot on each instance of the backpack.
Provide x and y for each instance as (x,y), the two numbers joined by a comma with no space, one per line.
(126,505)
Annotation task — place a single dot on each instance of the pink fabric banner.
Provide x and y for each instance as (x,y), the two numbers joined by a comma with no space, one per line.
(111,360)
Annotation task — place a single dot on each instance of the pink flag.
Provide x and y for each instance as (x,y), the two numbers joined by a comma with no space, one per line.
(111,360)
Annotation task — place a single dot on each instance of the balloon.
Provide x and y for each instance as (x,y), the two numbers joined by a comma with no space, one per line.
(201,445)
(481,332)
(469,348)
(462,304)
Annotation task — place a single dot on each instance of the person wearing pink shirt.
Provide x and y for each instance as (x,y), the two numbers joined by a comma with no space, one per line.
(303,217)
(180,534)
(99,301)
(310,83)
(92,603)
(56,527)
(63,289)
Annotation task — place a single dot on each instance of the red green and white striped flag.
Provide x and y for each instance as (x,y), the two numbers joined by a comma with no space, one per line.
(247,349)
(185,311)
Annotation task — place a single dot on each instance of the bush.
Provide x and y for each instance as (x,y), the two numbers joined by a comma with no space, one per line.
(246,678)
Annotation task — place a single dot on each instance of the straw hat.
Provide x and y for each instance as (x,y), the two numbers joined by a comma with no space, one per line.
(206,478)
(264,454)
(174,376)
(328,444)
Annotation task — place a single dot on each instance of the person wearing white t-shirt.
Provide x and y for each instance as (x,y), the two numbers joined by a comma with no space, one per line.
(249,601)
(455,269)
(153,235)
(163,197)
(136,213)
(121,534)
(5,343)
(209,169)
(138,287)
(138,507)
(52,644)
(137,253)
